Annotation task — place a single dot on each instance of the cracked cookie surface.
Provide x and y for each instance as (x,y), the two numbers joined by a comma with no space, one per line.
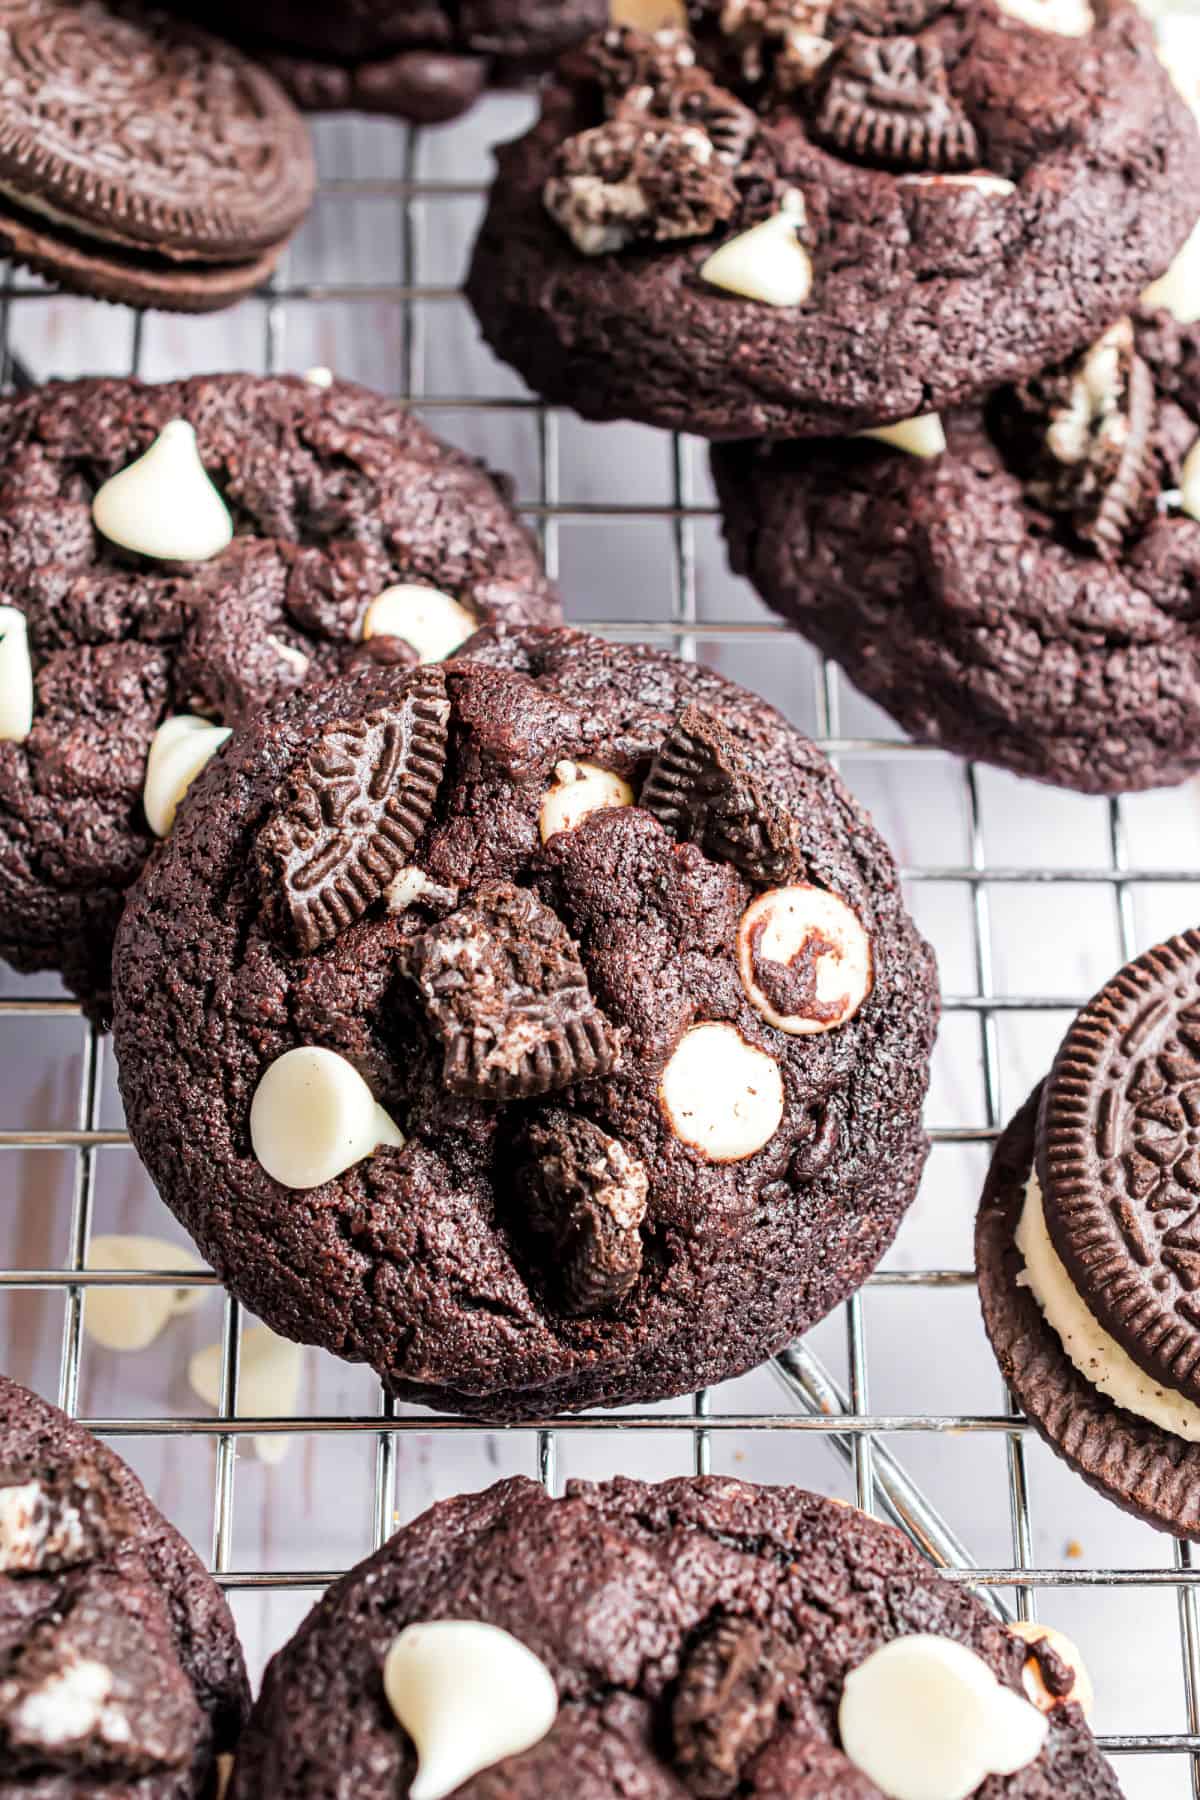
(618,1178)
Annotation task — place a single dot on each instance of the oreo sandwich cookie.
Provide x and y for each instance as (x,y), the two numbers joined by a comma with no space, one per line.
(1088,1243)
(142,160)
(120,1674)
(703,1637)
(804,220)
(546,1030)
(173,558)
(1012,580)
(425,62)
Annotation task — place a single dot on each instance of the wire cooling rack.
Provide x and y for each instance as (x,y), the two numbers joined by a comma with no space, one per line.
(1031,898)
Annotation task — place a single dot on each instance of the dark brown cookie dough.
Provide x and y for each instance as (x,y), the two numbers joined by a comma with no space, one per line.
(1033,612)
(336,495)
(555,1234)
(120,1669)
(699,1633)
(926,288)
(426,62)
(1126,1080)
(142,160)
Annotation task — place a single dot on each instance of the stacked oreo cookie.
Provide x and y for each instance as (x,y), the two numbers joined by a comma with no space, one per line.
(924,271)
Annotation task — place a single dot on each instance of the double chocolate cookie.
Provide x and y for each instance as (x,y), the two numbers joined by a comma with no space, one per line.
(1088,1243)
(1016,582)
(142,160)
(120,1670)
(703,1637)
(171,559)
(426,62)
(810,218)
(546,1030)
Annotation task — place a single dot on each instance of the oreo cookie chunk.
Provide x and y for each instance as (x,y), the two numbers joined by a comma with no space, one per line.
(174,557)
(142,160)
(1015,580)
(1088,1243)
(545,1029)
(427,63)
(120,1669)
(701,1637)
(815,217)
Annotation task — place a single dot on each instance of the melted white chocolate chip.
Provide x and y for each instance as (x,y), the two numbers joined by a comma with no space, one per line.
(435,624)
(579,788)
(319,377)
(179,749)
(1178,291)
(922,436)
(1189,482)
(16,677)
(1067,18)
(131,1318)
(269,1368)
(768,262)
(993,187)
(164,505)
(313,1117)
(790,925)
(925,1719)
(1081,1690)
(468,1695)
(721,1095)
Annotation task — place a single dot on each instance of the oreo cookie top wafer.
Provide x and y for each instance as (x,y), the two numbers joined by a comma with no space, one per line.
(703,1637)
(140,159)
(545,1029)
(809,218)
(1014,580)
(173,558)
(425,62)
(1088,1242)
(120,1670)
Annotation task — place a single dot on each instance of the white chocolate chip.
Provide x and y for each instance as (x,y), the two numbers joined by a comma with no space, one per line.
(164,505)
(434,623)
(295,659)
(179,749)
(16,677)
(70,1705)
(268,1383)
(131,1318)
(721,1095)
(1068,18)
(1189,488)
(925,1719)
(649,15)
(579,788)
(768,262)
(35,1530)
(313,1117)
(468,1695)
(995,187)
(806,926)
(320,377)
(1178,291)
(922,436)
(1081,1690)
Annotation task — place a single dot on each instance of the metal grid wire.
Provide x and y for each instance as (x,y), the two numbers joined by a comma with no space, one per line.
(815,1403)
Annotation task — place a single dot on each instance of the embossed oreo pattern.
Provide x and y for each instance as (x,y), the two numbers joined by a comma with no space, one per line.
(1119,1159)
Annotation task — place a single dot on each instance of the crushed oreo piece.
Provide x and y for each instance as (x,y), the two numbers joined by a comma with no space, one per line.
(694,99)
(701,788)
(887,100)
(727,1705)
(638,178)
(627,65)
(506,992)
(586,1197)
(776,43)
(346,824)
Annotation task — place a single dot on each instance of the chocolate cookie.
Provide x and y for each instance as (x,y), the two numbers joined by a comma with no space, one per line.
(426,62)
(120,1669)
(874,211)
(1020,589)
(141,160)
(108,633)
(599,957)
(1088,1248)
(701,1637)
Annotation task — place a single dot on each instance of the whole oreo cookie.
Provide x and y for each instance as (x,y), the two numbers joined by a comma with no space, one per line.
(1019,589)
(465,1046)
(122,1672)
(278,529)
(427,62)
(142,160)
(703,1637)
(1088,1242)
(815,217)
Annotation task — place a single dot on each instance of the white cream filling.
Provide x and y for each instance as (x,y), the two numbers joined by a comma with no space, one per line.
(1098,1356)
